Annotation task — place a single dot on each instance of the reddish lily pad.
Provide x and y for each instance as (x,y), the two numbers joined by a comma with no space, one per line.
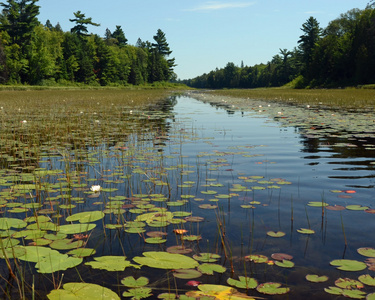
(186,273)
(281,256)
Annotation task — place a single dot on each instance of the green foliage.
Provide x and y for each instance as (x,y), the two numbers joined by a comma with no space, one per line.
(342,54)
(31,53)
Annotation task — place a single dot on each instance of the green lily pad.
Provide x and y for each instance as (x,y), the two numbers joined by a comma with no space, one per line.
(206,257)
(276,234)
(213,291)
(7,223)
(317,204)
(12,252)
(191,238)
(207,206)
(243,282)
(110,263)
(305,231)
(86,217)
(333,290)
(82,252)
(76,228)
(316,278)
(186,273)
(366,251)
(48,260)
(81,290)
(165,260)
(155,240)
(356,207)
(285,263)
(66,244)
(348,265)
(367,279)
(272,288)
(347,283)
(257,258)
(209,269)
(131,282)
(138,293)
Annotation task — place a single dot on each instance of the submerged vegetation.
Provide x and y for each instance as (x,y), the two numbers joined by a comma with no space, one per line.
(342,54)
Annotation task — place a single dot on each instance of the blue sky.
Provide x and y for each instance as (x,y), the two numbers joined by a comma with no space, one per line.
(204,35)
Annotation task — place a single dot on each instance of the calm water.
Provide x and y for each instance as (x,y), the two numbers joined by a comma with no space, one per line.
(200,148)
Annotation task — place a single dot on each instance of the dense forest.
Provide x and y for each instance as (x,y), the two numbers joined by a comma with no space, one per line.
(32,53)
(342,54)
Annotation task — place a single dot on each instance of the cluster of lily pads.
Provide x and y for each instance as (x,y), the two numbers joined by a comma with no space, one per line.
(74,184)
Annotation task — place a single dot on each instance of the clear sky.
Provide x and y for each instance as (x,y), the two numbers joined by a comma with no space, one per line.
(204,35)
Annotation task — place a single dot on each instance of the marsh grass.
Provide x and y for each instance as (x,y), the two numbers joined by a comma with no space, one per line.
(349,98)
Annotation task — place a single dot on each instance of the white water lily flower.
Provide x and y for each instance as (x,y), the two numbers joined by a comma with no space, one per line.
(96,188)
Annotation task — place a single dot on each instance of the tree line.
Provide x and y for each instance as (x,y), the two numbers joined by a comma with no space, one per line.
(342,54)
(36,54)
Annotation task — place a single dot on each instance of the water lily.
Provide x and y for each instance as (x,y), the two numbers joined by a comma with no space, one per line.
(96,188)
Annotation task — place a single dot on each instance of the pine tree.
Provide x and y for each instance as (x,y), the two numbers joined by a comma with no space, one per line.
(81,24)
(19,19)
(119,35)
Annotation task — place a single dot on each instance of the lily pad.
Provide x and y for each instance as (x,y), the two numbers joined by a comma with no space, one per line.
(110,263)
(317,204)
(76,228)
(186,273)
(209,269)
(348,265)
(66,244)
(165,260)
(276,234)
(347,283)
(86,217)
(243,282)
(257,258)
(316,278)
(81,290)
(131,282)
(213,291)
(366,251)
(82,252)
(367,279)
(272,288)
(138,293)
(7,223)
(285,263)
(179,250)
(206,257)
(305,231)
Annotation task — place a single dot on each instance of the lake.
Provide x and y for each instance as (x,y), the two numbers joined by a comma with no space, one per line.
(279,194)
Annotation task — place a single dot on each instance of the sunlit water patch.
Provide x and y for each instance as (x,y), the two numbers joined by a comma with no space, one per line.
(193,199)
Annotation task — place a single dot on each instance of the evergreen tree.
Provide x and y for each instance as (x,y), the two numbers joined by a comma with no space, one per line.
(81,24)
(119,36)
(19,19)
(308,41)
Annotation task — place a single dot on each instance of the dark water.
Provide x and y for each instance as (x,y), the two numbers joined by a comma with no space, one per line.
(283,165)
